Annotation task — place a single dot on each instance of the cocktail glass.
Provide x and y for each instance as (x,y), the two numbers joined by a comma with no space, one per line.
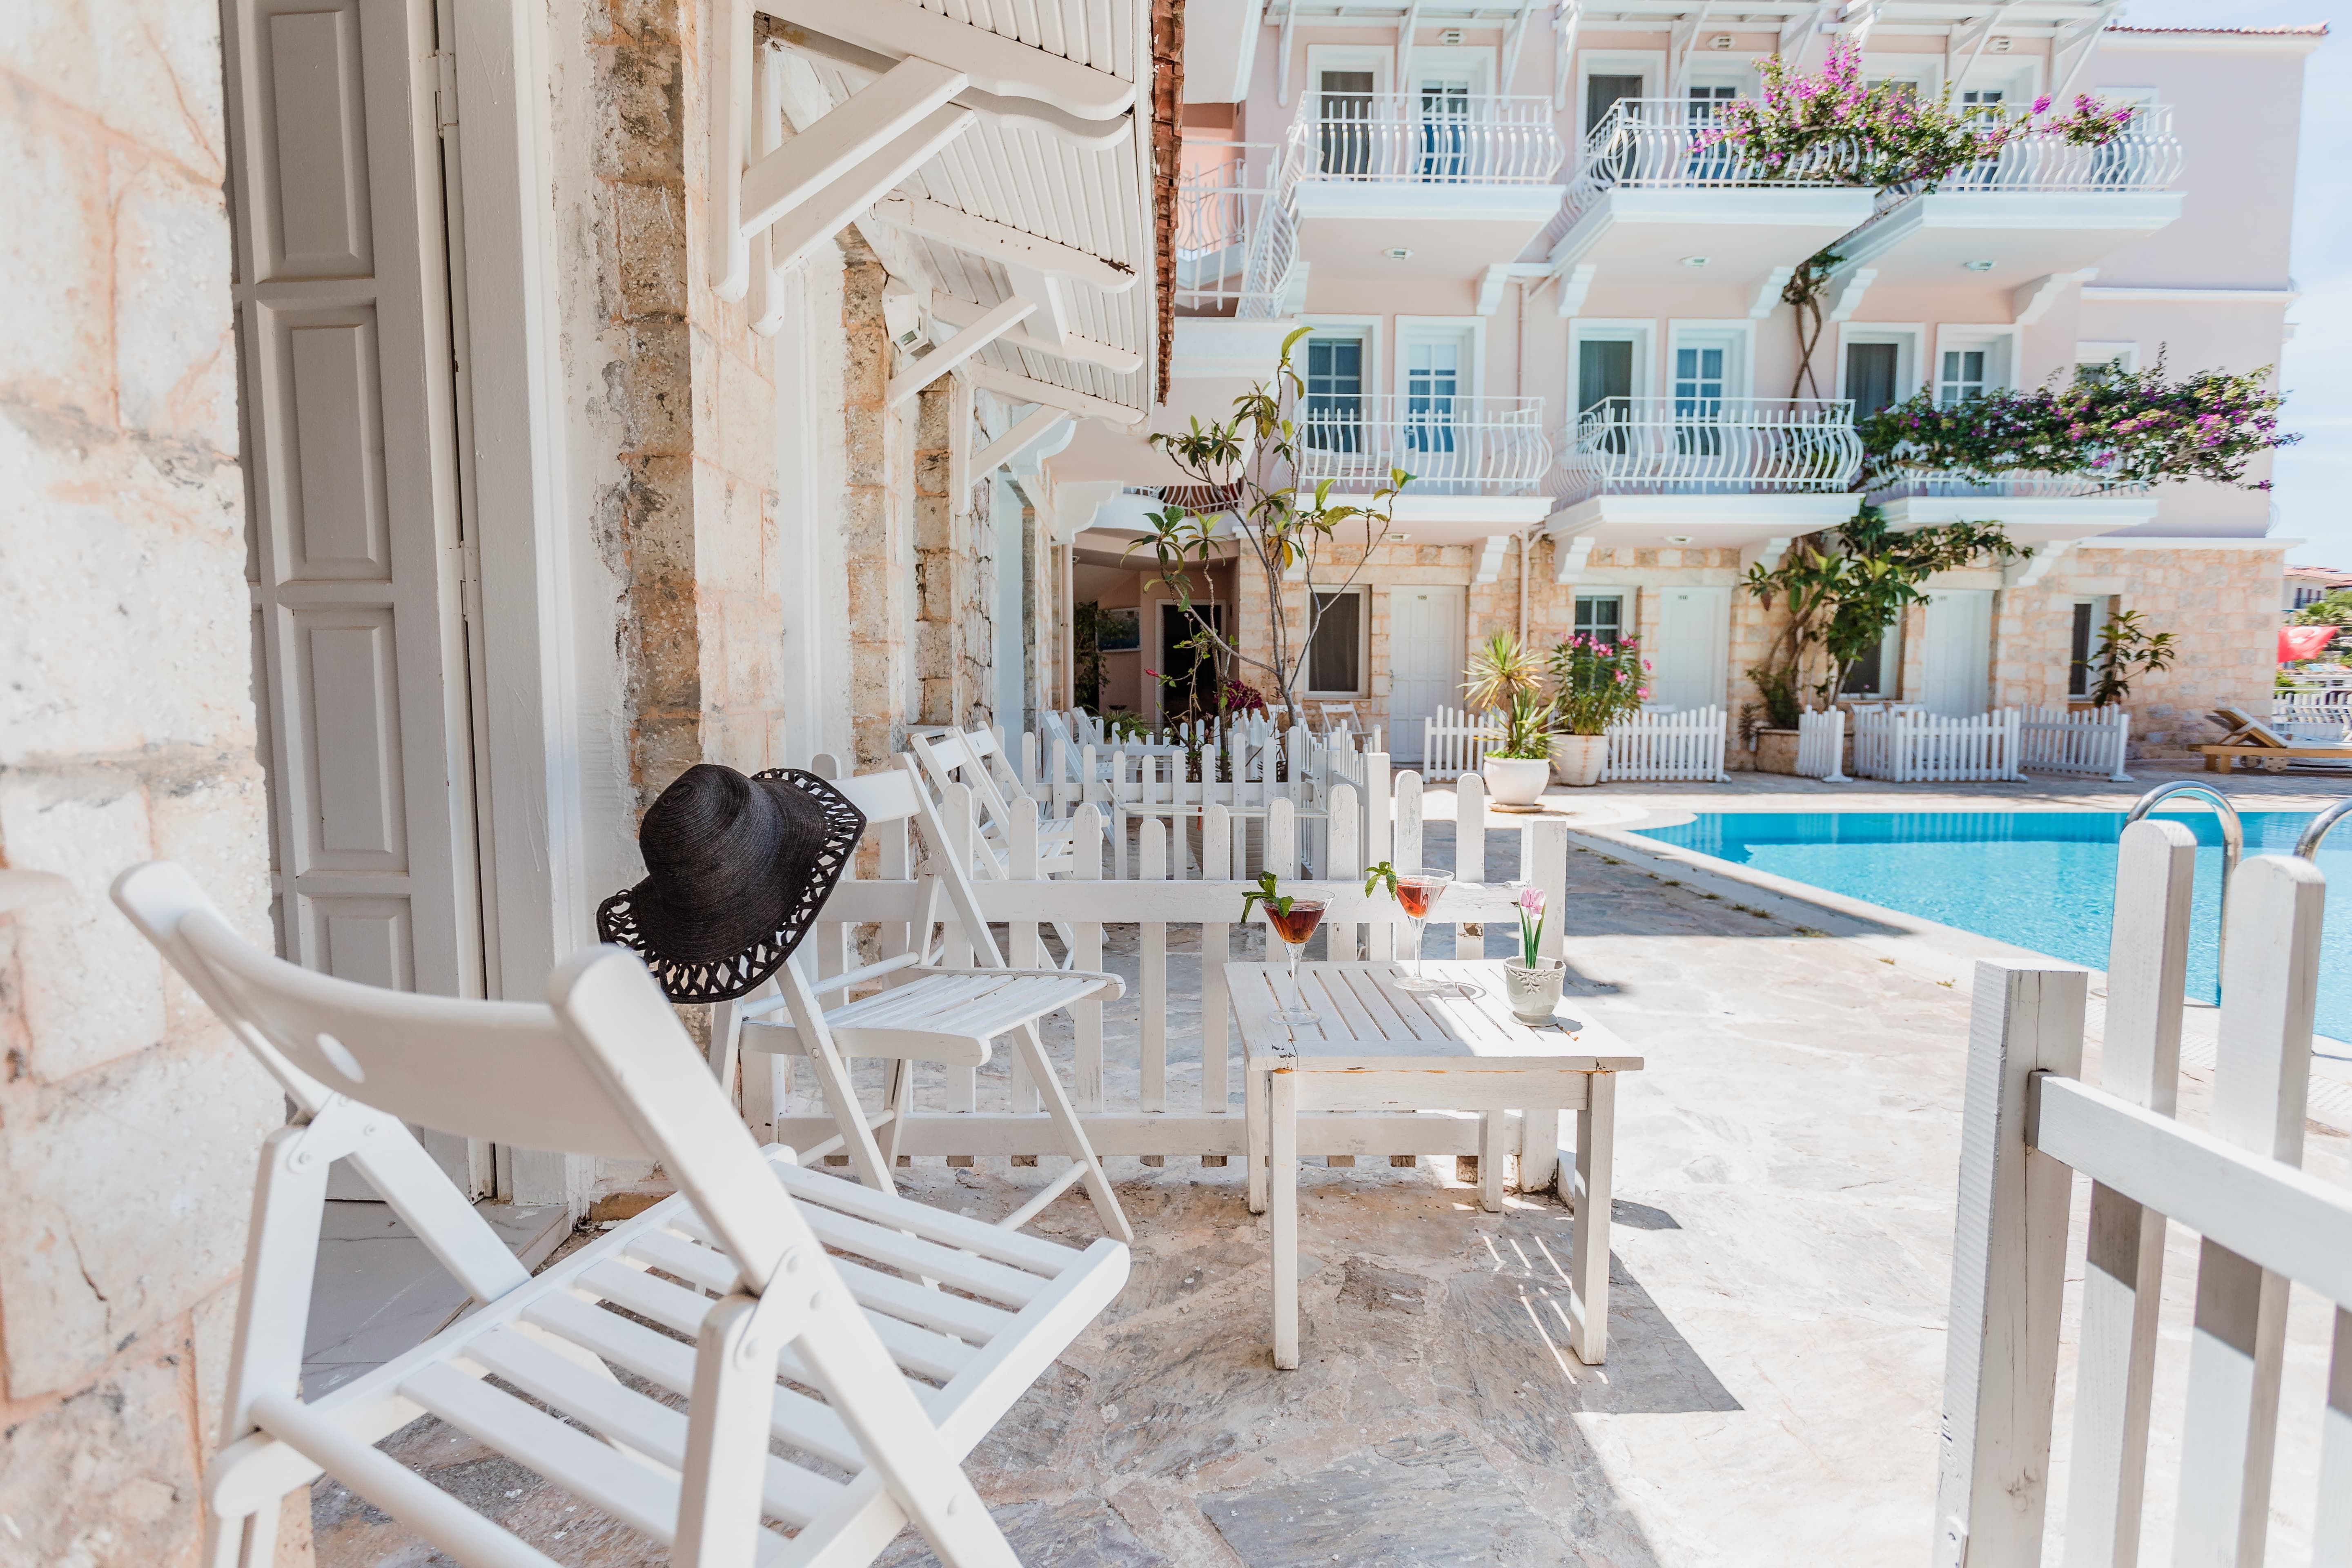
(1417,892)
(1294,926)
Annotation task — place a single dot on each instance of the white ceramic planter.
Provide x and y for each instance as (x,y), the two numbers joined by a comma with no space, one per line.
(1516,780)
(1578,759)
(1533,992)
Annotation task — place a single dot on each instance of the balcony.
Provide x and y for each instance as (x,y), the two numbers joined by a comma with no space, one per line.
(1707,472)
(1233,240)
(1477,462)
(2040,208)
(2034,508)
(1647,201)
(1431,187)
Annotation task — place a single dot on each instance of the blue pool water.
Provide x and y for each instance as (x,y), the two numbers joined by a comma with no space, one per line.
(2039,879)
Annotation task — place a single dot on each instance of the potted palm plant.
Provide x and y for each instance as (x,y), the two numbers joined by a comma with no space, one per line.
(1504,674)
(1594,684)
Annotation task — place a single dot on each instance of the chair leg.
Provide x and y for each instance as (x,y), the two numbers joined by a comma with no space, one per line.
(901,1101)
(246,1541)
(726,1441)
(841,1099)
(1074,1133)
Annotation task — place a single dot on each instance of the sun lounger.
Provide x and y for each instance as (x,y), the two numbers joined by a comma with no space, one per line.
(2255,741)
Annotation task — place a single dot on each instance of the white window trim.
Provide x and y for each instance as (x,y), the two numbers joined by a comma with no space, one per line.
(1465,60)
(1473,328)
(1649,64)
(2102,609)
(1363,644)
(1365,327)
(1641,332)
(1974,335)
(1927,71)
(2107,353)
(1889,641)
(1378,59)
(1905,335)
(1741,383)
(2017,78)
(1625,604)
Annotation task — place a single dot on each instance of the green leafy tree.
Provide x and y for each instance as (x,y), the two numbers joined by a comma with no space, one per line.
(1248,466)
(1844,587)
(2127,649)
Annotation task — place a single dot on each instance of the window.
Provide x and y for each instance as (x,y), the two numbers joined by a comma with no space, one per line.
(1601,94)
(1446,128)
(2082,648)
(1870,372)
(1432,379)
(1604,372)
(2097,362)
(1879,672)
(1335,394)
(1600,616)
(1963,377)
(1335,660)
(1345,112)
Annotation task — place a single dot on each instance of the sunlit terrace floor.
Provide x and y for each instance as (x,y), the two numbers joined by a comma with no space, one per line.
(1786,1171)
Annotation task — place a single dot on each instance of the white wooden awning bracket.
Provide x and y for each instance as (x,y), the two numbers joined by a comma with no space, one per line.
(1003,243)
(919,374)
(1032,428)
(961,314)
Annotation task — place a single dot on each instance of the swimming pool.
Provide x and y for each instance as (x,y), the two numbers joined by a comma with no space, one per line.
(2039,879)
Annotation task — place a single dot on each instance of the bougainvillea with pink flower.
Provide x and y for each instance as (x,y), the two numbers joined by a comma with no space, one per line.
(1834,128)
(1596,682)
(2120,428)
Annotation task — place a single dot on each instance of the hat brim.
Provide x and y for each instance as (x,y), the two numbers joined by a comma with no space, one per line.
(739,973)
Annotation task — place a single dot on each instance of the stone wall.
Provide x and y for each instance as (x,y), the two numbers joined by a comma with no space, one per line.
(130,1123)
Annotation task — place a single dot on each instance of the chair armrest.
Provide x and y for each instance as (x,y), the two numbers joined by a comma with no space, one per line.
(1111,987)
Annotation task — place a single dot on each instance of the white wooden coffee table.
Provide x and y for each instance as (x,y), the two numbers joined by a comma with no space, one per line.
(1383,1048)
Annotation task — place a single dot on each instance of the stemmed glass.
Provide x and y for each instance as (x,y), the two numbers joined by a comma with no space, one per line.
(1294,926)
(1417,892)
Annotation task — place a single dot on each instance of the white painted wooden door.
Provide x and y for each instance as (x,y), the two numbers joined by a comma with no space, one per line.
(1957,678)
(1425,659)
(350,421)
(1694,640)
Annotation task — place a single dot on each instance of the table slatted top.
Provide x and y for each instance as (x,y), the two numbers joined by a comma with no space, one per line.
(1369,1021)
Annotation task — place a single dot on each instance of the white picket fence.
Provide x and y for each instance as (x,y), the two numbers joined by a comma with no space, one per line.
(2031,1124)
(1821,744)
(1454,743)
(1654,747)
(1925,747)
(2053,741)
(1138,1083)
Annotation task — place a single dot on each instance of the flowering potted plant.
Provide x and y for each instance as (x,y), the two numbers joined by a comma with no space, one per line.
(1531,982)
(1595,683)
(1504,673)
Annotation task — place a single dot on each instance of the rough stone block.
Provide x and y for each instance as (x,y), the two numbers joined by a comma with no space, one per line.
(175,344)
(92,988)
(649,235)
(106,1479)
(55,343)
(93,1253)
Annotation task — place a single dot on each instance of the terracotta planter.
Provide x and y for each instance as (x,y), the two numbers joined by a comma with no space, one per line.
(1776,751)
(1515,781)
(1578,759)
(1533,992)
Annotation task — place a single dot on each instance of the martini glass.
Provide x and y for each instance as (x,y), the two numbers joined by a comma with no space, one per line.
(1417,892)
(1294,927)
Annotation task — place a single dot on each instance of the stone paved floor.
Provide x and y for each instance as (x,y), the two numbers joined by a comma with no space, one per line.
(1781,1247)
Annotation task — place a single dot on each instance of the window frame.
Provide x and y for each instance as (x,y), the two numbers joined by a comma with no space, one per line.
(1739,377)
(1363,644)
(1994,338)
(1649,64)
(1622,597)
(1890,660)
(1905,336)
(2122,354)
(1641,333)
(2089,664)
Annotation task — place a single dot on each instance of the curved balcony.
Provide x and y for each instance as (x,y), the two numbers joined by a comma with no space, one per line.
(2033,508)
(1474,460)
(1430,140)
(1748,446)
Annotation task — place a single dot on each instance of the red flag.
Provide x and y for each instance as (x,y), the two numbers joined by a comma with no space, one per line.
(2302,642)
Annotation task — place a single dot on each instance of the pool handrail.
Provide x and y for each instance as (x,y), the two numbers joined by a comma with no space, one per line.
(2233,845)
(2306,844)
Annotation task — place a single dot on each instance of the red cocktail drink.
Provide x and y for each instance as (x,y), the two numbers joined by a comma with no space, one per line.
(1295,926)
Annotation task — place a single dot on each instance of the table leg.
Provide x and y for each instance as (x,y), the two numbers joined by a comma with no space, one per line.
(1254,1112)
(1283,1097)
(1538,1149)
(1596,1135)
(1493,1128)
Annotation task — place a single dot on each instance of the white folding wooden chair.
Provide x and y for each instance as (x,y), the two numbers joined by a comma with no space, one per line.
(956,757)
(931,1009)
(755,1269)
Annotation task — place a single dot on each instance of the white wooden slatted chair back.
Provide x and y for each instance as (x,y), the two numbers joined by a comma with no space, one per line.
(606,1068)
(2031,1124)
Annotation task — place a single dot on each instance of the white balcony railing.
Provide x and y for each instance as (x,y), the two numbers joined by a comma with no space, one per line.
(1649,144)
(1451,446)
(1664,446)
(2146,156)
(1922,485)
(1236,238)
(1429,139)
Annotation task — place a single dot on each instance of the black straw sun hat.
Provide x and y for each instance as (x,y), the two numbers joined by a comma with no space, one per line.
(736,870)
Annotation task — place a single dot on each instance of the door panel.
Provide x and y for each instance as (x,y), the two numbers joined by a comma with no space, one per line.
(350,405)
(1956,679)
(1686,665)
(1425,630)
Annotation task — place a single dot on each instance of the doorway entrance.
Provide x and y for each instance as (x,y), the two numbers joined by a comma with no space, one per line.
(1957,676)
(1425,659)
(1188,687)
(1694,641)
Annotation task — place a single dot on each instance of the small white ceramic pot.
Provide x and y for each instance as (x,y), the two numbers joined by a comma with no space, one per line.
(1516,780)
(1578,759)
(1534,993)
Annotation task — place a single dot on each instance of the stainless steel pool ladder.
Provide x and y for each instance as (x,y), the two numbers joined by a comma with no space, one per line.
(2233,850)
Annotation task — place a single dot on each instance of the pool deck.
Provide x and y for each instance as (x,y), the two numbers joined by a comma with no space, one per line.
(1781,1251)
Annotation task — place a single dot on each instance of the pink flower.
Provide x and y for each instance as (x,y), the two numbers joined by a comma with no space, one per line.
(2041,104)
(1532,900)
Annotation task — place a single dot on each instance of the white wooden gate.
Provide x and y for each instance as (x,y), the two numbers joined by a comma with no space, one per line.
(2031,1124)
(1657,746)
(1913,748)
(2053,741)
(350,437)
(1821,744)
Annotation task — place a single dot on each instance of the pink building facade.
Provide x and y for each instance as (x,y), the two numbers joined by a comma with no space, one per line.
(1500,215)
